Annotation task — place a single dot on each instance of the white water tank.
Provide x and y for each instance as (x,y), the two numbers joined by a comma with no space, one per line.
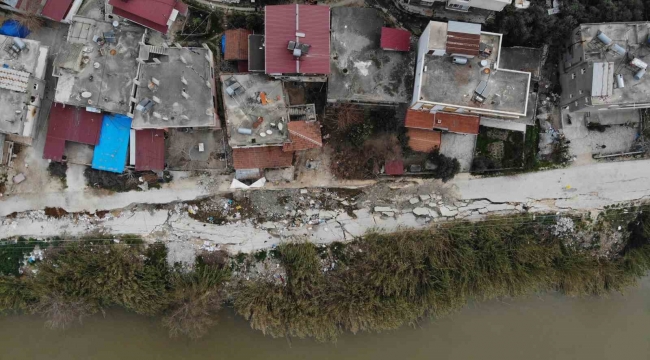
(459,60)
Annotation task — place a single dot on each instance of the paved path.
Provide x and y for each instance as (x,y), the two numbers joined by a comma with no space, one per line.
(581,187)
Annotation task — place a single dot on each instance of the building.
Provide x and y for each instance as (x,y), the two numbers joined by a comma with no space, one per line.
(175,88)
(603,67)
(458,71)
(56,10)
(96,66)
(158,15)
(297,42)
(263,130)
(69,123)
(462,5)
(22,87)
(370,64)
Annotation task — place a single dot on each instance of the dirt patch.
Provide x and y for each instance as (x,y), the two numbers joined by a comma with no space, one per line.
(222,210)
(58,170)
(55,212)
(130,180)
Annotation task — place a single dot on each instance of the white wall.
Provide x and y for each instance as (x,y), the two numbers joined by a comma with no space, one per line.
(423,47)
(494,5)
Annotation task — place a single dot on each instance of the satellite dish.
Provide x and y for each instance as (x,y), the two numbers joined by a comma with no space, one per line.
(484,63)
(96,65)
(262,134)
(115,23)
(86,94)
(269,132)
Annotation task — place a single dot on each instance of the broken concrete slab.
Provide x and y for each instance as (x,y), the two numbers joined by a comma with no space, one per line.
(388,213)
(382,208)
(414,201)
(425,197)
(499,207)
(327,215)
(420,211)
(447,212)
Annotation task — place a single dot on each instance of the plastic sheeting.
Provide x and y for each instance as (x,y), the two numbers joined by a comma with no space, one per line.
(13,28)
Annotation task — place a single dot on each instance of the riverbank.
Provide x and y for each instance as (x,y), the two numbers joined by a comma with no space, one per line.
(378,282)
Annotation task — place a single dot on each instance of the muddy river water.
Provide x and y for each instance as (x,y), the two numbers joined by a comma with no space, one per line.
(546,327)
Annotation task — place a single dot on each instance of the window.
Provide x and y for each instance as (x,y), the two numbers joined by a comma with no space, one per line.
(573,75)
(580,91)
(575,103)
(582,71)
(570,96)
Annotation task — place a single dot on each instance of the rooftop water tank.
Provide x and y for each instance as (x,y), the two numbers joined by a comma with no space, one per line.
(639,74)
(459,60)
(619,81)
(618,49)
(603,38)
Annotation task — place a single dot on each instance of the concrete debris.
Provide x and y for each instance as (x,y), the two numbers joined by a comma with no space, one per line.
(425,197)
(563,227)
(19,178)
(382,208)
(388,213)
(327,215)
(414,201)
(447,212)
(420,211)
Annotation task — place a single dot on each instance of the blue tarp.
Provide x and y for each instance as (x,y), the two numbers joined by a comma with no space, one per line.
(110,153)
(223,44)
(13,28)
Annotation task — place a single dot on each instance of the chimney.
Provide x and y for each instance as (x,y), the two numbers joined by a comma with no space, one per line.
(157,115)
(183,60)
(155,81)
(135,81)
(156,60)
(156,100)
(183,80)
(207,83)
(185,95)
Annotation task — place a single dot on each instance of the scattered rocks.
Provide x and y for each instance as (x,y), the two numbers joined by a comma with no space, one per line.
(425,197)
(327,215)
(420,211)
(414,201)
(388,213)
(382,208)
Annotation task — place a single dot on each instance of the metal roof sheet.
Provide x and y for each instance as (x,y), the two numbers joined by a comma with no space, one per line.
(70,123)
(56,9)
(307,24)
(110,154)
(153,14)
(602,81)
(464,28)
(149,150)
(395,39)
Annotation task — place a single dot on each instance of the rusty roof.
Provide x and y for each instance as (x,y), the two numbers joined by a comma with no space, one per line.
(237,44)
(150,150)
(458,123)
(69,123)
(261,157)
(307,24)
(419,119)
(424,140)
(395,39)
(466,44)
(303,135)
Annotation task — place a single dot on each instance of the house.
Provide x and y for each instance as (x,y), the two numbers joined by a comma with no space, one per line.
(96,66)
(297,42)
(158,15)
(458,71)
(603,68)
(370,64)
(56,10)
(236,47)
(69,123)
(263,130)
(175,88)
(461,5)
(22,87)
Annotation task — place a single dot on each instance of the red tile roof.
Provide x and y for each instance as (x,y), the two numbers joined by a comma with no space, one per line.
(303,135)
(150,150)
(237,44)
(458,123)
(153,14)
(261,157)
(395,39)
(280,27)
(459,43)
(56,9)
(70,124)
(424,140)
(394,167)
(419,119)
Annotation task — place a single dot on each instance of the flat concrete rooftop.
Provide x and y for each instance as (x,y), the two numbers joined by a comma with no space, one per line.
(447,83)
(246,109)
(360,69)
(16,117)
(190,65)
(105,71)
(632,37)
